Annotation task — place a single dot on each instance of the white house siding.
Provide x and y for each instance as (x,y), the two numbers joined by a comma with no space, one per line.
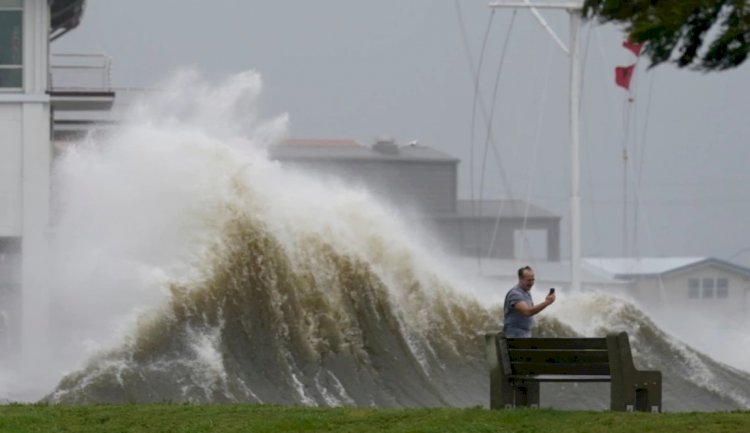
(672,293)
(10,170)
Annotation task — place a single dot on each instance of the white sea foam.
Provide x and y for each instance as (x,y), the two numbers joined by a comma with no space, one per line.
(146,208)
(339,388)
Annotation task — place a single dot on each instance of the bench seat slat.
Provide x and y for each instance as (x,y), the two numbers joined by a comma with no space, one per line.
(561,378)
(557,343)
(574,369)
(558,356)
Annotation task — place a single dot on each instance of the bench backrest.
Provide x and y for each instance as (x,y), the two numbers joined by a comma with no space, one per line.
(555,356)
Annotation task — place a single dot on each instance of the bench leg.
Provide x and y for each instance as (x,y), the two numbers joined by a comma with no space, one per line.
(641,400)
(501,395)
(642,393)
(648,392)
(631,389)
(637,397)
(526,394)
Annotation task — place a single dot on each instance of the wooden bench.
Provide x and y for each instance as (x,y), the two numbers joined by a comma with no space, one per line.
(518,365)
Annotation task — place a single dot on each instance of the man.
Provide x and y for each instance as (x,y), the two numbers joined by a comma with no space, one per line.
(519,308)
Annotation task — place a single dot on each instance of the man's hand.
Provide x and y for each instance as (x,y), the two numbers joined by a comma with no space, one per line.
(550,298)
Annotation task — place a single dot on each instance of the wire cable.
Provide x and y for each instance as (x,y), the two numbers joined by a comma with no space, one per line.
(587,132)
(489,133)
(486,117)
(476,73)
(532,177)
(639,167)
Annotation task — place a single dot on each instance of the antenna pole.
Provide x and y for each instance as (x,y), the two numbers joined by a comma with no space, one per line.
(574,9)
(575,156)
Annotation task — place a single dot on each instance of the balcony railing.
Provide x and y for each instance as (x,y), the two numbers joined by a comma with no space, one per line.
(80,72)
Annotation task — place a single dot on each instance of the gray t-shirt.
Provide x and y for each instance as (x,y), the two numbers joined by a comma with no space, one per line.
(516,324)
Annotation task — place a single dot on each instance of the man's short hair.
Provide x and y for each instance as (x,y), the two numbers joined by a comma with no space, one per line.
(525,268)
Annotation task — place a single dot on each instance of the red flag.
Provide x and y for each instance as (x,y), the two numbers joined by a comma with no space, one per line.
(634,47)
(623,74)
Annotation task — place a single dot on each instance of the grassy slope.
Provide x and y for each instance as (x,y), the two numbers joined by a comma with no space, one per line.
(245,418)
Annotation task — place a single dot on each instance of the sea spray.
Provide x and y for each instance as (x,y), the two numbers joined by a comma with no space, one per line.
(191,268)
(280,332)
(152,217)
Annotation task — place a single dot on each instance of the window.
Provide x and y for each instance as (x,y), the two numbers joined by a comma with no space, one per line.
(694,288)
(11,44)
(708,288)
(722,288)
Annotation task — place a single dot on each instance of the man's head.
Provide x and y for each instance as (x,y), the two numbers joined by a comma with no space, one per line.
(525,278)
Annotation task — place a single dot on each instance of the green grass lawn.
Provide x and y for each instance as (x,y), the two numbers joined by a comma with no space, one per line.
(18,418)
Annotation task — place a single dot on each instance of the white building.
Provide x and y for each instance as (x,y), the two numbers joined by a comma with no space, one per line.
(27,102)
(694,286)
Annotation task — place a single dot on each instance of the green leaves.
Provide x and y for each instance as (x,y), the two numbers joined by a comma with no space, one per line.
(704,35)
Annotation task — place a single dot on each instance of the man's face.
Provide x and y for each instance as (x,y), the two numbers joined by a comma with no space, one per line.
(526,280)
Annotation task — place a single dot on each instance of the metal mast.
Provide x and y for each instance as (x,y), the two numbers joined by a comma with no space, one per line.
(574,9)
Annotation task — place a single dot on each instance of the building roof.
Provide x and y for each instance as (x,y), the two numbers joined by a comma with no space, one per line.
(616,266)
(619,267)
(490,209)
(326,149)
(320,142)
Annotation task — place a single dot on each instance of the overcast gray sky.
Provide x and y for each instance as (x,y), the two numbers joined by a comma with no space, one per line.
(357,69)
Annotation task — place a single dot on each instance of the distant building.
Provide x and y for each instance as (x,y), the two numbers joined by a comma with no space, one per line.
(702,286)
(488,228)
(425,180)
(415,176)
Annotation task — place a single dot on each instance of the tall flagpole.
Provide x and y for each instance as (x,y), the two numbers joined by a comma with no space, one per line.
(575,154)
(574,9)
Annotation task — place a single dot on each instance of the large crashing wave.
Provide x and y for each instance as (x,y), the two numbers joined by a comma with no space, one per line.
(280,288)
(320,328)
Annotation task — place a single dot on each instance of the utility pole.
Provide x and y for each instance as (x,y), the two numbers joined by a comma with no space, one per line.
(574,9)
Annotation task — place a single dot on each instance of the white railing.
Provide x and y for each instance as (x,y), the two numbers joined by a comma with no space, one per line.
(92,72)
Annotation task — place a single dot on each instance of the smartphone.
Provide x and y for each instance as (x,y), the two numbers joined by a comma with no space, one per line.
(552,290)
